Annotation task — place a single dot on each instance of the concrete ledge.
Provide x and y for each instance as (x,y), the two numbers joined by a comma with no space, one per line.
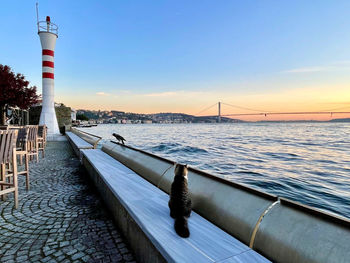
(77,143)
(141,211)
(141,245)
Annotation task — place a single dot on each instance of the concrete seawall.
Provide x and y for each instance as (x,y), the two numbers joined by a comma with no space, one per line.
(142,246)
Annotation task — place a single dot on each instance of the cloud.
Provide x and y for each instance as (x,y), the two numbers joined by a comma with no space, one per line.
(101,93)
(342,62)
(178,93)
(309,69)
(124,91)
(161,94)
(336,66)
(338,103)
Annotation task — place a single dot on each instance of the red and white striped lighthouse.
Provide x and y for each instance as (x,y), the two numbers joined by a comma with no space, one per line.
(48,34)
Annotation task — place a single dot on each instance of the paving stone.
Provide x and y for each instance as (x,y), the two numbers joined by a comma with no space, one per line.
(128,257)
(61,218)
(7,258)
(48,252)
(58,253)
(22,258)
(71,252)
(34,253)
(35,258)
(78,255)
(117,257)
(21,253)
(85,258)
(46,259)
(64,243)
(60,258)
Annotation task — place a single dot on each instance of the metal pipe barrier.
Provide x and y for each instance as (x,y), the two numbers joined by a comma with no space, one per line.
(89,137)
(233,207)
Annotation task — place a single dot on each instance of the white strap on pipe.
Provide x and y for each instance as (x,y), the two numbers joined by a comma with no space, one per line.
(161,177)
(256,228)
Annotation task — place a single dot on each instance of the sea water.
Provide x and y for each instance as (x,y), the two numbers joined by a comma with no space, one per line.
(305,162)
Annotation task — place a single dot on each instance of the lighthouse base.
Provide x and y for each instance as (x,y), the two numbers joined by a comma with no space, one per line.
(49,119)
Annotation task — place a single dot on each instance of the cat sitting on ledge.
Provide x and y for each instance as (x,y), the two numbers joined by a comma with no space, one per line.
(180,202)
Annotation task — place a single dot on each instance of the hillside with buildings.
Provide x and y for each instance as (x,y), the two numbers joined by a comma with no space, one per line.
(128,117)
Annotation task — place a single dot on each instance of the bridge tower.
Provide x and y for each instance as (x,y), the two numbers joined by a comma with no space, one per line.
(219,112)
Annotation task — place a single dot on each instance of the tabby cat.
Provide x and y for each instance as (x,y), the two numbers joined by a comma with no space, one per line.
(180,202)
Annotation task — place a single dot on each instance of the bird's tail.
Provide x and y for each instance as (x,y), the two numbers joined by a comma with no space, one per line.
(181,226)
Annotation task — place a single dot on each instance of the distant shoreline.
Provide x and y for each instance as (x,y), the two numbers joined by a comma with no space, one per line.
(333,120)
(243,122)
(169,118)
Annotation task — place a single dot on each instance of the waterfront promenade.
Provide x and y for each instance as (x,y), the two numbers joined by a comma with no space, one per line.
(61,218)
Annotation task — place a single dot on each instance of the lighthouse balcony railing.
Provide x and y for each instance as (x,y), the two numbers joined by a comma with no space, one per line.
(44,26)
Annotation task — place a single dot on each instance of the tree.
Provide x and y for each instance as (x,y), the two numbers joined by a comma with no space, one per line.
(82,117)
(14,91)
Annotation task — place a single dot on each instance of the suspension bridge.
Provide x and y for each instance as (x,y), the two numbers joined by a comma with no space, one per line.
(259,112)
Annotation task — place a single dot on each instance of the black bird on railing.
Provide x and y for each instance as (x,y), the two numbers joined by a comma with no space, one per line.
(119,138)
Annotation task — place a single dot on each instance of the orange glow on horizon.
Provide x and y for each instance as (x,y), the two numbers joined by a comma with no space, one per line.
(308,99)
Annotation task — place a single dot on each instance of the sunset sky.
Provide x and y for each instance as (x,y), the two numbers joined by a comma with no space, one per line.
(183,56)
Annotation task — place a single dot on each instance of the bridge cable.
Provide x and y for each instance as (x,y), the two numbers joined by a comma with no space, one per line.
(205,109)
(244,108)
(342,108)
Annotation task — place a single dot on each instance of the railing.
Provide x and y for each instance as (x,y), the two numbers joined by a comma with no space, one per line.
(45,26)
(90,134)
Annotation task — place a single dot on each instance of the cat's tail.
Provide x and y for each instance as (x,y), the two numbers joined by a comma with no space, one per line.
(181,226)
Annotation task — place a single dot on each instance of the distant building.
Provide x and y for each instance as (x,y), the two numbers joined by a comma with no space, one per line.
(73,115)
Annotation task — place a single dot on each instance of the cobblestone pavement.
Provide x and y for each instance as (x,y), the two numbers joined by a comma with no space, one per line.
(61,218)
